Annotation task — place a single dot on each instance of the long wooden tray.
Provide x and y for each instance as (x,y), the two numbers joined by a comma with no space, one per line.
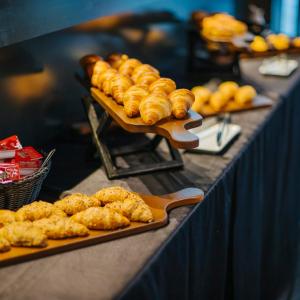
(259,101)
(176,131)
(160,206)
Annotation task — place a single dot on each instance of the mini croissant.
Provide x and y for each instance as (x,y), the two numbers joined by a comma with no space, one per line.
(116,59)
(154,108)
(166,85)
(182,100)
(147,78)
(119,85)
(127,67)
(104,80)
(99,67)
(141,70)
(132,99)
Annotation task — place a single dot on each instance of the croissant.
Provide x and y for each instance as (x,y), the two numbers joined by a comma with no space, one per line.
(134,210)
(245,94)
(164,84)
(99,68)
(147,78)
(104,80)
(119,85)
(116,59)
(217,100)
(127,67)
(132,99)
(87,63)
(182,100)
(228,88)
(140,70)
(7,216)
(154,108)
(101,218)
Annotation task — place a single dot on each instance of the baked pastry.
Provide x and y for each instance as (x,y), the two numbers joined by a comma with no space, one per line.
(279,41)
(89,59)
(245,95)
(77,202)
(38,210)
(127,67)
(166,85)
(116,59)
(154,108)
(24,234)
(181,100)
(104,81)
(7,216)
(228,89)
(60,228)
(4,245)
(134,210)
(296,42)
(119,85)
(202,95)
(217,101)
(141,70)
(99,67)
(207,110)
(146,79)
(132,99)
(101,218)
(259,44)
(116,193)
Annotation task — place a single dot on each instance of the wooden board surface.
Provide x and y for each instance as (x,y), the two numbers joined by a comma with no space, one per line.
(160,205)
(259,101)
(174,130)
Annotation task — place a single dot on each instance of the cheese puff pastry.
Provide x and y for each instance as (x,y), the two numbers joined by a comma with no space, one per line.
(4,245)
(7,216)
(60,228)
(101,218)
(104,81)
(38,210)
(77,202)
(142,69)
(127,67)
(119,85)
(132,99)
(24,234)
(135,211)
(116,60)
(166,85)
(181,100)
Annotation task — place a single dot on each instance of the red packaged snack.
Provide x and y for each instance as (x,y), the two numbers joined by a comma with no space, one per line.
(9,146)
(9,172)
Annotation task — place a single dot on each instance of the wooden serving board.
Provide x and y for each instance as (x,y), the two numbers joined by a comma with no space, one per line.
(160,206)
(259,101)
(176,131)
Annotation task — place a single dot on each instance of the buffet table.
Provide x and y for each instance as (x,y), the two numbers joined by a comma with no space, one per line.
(239,243)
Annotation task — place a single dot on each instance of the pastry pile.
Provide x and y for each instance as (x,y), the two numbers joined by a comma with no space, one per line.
(228,96)
(138,87)
(109,209)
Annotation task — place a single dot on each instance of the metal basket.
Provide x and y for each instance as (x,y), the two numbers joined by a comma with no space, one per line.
(16,194)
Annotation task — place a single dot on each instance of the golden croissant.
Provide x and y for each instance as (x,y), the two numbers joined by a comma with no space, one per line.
(154,108)
(182,100)
(135,211)
(142,69)
(38,210)
(119,85)
(60,228)
(147,78)
(116,60)
(4,245)
(24,234)
(104,80)
(166,85)
(132,99)
(127,67)
(7,216)
(101,218)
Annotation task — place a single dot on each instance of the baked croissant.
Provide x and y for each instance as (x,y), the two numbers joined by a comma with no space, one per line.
(87,63)
(99,68)
(132,99)
(116,59)
(127,67)
(134,210)
(7,216)
(154,108)
(163,84)
(182,100)
(142,69)
(146,79)
(104,80)
(4,245)
(101,218)
(119,85)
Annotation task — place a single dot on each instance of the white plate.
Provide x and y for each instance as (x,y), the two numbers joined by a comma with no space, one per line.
(278,67)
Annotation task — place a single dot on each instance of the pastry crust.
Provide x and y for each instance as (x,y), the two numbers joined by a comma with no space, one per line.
(24,234)
(132,99)
(119,85)
(38,210)
(7,216)
(166,85)
(127,67)
(181,100)
(77,202)
(101,218)
(141,70)
(4,245)
(60,228)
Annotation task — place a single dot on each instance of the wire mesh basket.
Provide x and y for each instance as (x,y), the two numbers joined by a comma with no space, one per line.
(16,194)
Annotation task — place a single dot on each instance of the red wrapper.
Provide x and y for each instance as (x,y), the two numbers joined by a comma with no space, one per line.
(9,146)
(9,172)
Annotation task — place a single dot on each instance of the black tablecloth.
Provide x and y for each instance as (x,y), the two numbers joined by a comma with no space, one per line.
(242,241)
